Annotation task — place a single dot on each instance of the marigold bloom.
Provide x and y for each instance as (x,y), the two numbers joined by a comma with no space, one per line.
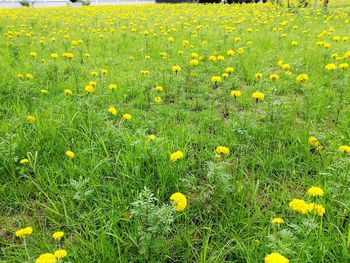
(276,258)
(179,201)
(240,50)
(330,67)
(112,110)
(58,235)
(313,141)
(31,119)
(230,52)
(46,258)
(61,253)
(258,75)
(159,88)
(220,58)
(299,206)
(176,156)
(104,72)
(176,69)
(216,79)
(33,54)
(29,76)
(24,161)
(277,220)
(127,116)
(68,92)
(89,89)
(315,191)
(93,74)
(151,137)
(70,154)
(316,209)
(194,62)
(24,232)
(112,86)
(229,70)
(274,77)
(43,91)
(258,96)
(212,58)
(344,149)
(68,55)
(54,56)
(20,76)
(222,150)
(302,78)
(343,66)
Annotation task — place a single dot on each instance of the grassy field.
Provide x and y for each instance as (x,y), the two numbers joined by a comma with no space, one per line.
(175,133)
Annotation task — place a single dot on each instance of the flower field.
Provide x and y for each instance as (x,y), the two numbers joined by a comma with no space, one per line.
(175,133)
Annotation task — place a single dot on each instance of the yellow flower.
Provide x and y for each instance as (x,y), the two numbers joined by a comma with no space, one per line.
(229,70)
(54,56)
(170,39)
(194,62)
(127,116)
(159,88)
(315,191)
(235,93)
(222,150)
(176,69)
(285,66)
(258,75)
(151,137)
(33,54)
(216,79)
(104,72)
(299,206)
(179,201)
(93,74)
(68,92)
(277,220)
(343,66)
(258,96)
(70,154)
(330,67)
(158,100)
(212,58)
(93,83)
(43,91)
(276,258)
(316,209)
(29,76)
(240,50)
(46,258)
(89,89)
(302,78)
(344,149)
(176,156)
(294,43)
(220,58)
(20,76)
(313,141)
(113,110)
(61,253)
(274,77)
(24,232)
(145,72)
(24,161)
(194,55)
(58,235)
(112,86)
(68,55)
(31,119)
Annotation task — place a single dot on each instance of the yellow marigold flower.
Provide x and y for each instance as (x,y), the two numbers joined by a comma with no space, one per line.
(288,73)
(294,43)
(93,74)
(171,39)
(58,235)
(276,258)
(87,55)
(212,58)
(285,66)
(179,201)
(222,150)
(326,45)
(24,232)
(176,156)
(31,119)
(330,67)
(216,79)
(258,96)
(220,58)
(145,72)
(258,75)
(313,141)
(54,56)
(280,63)
(158,100)
(131,58)
(151,137)
(277,220)
(70,154)
(343,66)
(274,77)
(68,55)
(315,191)
(20,76)
(29,76)
(185,42)
(43,91)
(159,88)
(33,54)
(235,93)
(194,62)
(104,71)
(229,70)
(46,258)
(194,55)
(112,86)
(24,161)
(224,75)
(302,78)
(344,149)
(113,110)
(176,69)
(147,57)
(68,92)
(299,206)
(127,116)
(89,89)
(230,52)
(61,253)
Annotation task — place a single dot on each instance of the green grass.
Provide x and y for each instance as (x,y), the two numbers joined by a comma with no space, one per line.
(231,199)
